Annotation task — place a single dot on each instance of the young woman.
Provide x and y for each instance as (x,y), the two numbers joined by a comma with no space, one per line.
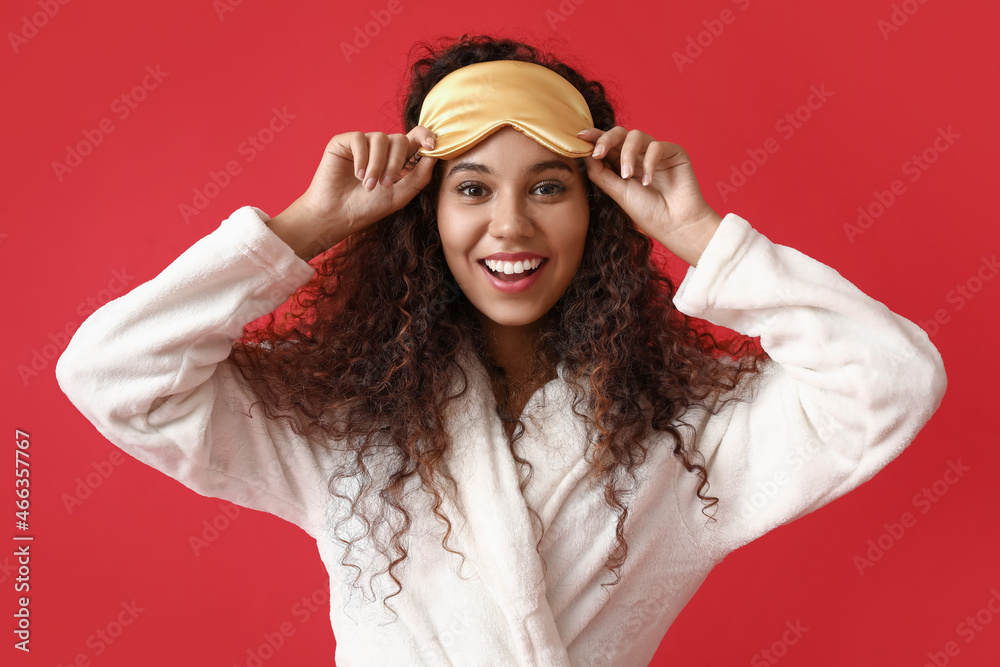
(483,397)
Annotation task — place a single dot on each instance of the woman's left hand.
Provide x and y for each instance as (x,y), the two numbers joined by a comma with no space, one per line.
(655,185)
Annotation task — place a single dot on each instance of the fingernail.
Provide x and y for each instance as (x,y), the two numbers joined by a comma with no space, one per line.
(370,184)
(581,132)
(626,170)
(361,174)
(387,180)
(599,151)
(645,179)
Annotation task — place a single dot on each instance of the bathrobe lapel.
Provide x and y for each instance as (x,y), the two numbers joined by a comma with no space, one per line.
(495,523)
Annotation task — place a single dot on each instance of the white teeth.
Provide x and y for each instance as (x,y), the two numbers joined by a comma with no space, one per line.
(498,266)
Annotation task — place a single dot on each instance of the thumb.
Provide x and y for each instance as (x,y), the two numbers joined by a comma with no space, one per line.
(606,179)
(413,182)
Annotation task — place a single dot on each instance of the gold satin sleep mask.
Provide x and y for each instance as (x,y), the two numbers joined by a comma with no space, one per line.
(474,101)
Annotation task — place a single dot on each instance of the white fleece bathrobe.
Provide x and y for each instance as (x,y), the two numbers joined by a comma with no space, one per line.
(850,385)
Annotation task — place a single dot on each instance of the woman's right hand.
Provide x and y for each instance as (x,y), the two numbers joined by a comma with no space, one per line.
(353,187)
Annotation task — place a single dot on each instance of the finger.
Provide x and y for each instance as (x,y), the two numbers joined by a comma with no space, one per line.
(413,181)
(359,149)
(607,145)
(398,147)
(654,153)
(591,134)
(378,149)
(632,151)
(604,177)
(378,146)
(421,137)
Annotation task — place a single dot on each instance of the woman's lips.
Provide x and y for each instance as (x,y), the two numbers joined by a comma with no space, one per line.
(512,282)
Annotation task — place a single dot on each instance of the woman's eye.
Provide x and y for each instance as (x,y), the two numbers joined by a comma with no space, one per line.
(552,188)
(462,189)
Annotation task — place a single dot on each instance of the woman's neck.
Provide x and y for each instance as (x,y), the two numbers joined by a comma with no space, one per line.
(514,349)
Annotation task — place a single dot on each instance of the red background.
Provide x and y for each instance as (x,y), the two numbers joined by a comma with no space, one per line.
(65,235)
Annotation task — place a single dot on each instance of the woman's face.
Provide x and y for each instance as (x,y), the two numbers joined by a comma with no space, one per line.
(513,217)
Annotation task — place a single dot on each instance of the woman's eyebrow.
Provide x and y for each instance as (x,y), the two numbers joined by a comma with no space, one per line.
(468,165)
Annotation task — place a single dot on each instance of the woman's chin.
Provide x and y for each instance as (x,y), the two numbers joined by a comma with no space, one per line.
(492,318)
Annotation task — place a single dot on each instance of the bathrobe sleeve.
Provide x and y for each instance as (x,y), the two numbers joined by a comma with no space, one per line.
(150,371)
(849,386)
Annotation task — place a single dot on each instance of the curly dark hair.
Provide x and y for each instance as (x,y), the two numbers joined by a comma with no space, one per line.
(366,351)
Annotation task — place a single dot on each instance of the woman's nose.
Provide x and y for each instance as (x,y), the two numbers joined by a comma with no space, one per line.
(511,218)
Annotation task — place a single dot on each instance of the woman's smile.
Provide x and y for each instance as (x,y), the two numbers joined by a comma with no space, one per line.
(510,277)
